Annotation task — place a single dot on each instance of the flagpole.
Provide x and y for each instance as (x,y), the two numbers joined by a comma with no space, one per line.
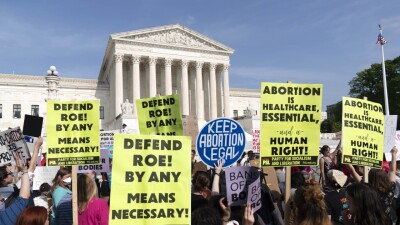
(384,76)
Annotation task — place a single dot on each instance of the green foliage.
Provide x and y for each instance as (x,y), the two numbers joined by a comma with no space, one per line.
(369,83)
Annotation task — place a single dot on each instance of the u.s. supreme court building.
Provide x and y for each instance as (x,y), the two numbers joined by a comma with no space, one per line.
(139,64)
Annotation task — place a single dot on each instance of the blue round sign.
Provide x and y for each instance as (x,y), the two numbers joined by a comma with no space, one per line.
(221,138)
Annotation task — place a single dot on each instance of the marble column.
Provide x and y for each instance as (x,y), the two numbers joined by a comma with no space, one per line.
(168,77)
(153,77)
(118,85)
(227,108)
(219,94)
(135,80)
(199,91)
(213,90)
(185,87)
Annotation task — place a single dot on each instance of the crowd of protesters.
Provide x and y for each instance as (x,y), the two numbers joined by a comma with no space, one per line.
(339,196)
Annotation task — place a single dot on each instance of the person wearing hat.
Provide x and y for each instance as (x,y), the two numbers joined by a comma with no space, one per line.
(335,197)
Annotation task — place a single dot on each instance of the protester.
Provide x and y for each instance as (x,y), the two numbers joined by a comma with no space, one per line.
(43,161)
(200,189)
(104,188)
(327,161)
(35,215)
(310,206)
(60,188)
(280,173)
(396,201)
(92,210)
(335,197)
(10,191)
(243,159)
(365,207)
(384,184)
(6,180)
(10,214)
(297,180)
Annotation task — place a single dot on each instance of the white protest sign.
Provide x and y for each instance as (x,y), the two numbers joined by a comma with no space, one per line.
(390,132)
(238,180)
(107,141)
(12,143)
(254,195)
(44,174)
(397,143)
(390,135)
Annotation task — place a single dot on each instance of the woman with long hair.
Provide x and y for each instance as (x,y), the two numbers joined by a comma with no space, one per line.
(92,210)
(60,188)
(365,207)
(310,206)
(327,161)
(36,215)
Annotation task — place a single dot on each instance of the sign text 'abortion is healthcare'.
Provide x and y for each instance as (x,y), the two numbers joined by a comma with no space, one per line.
(221,138)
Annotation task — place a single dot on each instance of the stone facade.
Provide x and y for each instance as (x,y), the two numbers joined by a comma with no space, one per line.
(139,64)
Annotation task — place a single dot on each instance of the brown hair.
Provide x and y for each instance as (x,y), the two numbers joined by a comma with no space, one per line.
(57,181)
(36,215)
(379,180)
(200,181)
(87,190)
(310,205)
(3,175)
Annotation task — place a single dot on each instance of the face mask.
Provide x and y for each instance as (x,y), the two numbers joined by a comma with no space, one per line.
(67,180)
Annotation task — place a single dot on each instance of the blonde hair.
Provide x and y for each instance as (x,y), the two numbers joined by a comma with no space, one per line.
(310,205)
(87,190)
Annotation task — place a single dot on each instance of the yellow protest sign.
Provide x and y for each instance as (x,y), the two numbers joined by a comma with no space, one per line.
(362,132)
(151,180)
(290,124)
(160,115)
(73,132)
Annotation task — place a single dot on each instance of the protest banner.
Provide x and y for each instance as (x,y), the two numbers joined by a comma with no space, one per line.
(254,195)
(12,144)
(160,116)
(44,174)
(363,129)
(104,165)
(106,151)
(290,124)
(151,180)
(221,138)
(238,180)
(256,140)
(390,135)
(107,141)
(397,143)
(73,132)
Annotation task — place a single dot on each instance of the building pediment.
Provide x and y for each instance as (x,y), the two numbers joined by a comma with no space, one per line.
(174,35)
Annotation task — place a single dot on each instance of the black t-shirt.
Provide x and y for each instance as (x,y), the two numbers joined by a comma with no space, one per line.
(198,201)
(336,202)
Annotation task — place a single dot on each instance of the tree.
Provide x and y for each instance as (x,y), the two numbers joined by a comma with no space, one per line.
(369,83)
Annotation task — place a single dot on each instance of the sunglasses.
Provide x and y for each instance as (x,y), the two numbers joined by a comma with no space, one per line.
(10,173)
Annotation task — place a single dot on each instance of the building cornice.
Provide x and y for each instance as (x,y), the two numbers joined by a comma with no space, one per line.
(40,81)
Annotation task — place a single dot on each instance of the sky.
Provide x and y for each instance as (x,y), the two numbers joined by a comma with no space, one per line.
(305,41)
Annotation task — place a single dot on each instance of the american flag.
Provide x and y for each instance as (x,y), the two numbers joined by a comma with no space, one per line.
(381,40)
